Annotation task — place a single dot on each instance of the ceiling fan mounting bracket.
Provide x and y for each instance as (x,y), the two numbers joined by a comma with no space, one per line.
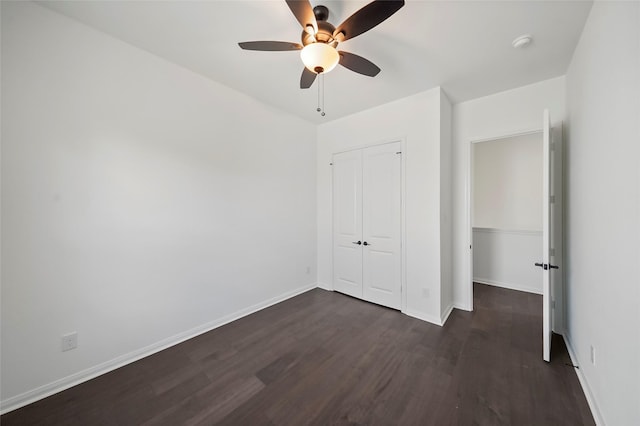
(321,13)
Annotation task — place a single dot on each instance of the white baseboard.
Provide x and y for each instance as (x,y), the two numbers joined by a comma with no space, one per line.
(597,416)
(423,317)
(462,306)
(518,287)
(445,315)
(413,314)
(59,385)
(325,286)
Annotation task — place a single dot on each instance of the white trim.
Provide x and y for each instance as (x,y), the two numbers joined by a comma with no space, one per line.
(369,145)
(507,135)
(469,230)
(469,227)
(595,412)
(517,287)
(325,286)
(403,230)
(329,286)
(462,306)
(507,231)
(423,317)
(445,316)
(59,385)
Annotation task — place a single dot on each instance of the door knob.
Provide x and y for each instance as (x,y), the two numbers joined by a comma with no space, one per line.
(358,243)
(547,266)
(366,244)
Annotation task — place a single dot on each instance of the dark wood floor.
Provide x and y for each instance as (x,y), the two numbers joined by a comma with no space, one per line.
(323,358)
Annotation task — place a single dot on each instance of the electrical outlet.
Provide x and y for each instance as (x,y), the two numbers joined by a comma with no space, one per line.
(69,341)
(593,355)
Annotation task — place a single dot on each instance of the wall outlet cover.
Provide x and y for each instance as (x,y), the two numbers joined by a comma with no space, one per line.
(69,341)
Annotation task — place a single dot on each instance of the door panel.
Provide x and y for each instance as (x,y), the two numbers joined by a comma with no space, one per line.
(347,223)
(381,224)
(546,238)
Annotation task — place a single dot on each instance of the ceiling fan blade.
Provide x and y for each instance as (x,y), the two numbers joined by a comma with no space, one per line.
(358,64)
(366,18)
(270,46)
(303,12)
(307,78)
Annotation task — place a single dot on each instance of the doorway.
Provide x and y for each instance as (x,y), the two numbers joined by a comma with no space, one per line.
(550,255)
(506,211)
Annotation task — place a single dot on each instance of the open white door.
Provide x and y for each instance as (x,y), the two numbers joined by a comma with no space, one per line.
(547,238)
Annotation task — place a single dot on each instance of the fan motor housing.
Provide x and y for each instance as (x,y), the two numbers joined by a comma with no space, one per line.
(324,35)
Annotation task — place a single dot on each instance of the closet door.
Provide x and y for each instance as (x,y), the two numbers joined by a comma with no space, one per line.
(347,223)
(381,224)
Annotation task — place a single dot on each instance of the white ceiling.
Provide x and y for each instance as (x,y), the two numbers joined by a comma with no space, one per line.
(463,46)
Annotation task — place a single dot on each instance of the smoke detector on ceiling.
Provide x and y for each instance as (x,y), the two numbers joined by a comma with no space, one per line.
(522,41)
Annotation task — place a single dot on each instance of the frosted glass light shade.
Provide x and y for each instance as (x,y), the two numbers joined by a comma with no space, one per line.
(319,57)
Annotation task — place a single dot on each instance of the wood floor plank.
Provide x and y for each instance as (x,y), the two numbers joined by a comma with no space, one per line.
(323,358)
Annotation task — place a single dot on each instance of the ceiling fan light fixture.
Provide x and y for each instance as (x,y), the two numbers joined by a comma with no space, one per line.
(319,57)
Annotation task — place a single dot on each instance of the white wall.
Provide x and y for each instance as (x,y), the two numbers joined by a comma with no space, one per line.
(415,119)
(506,113)
(446,230)
(503,258)
(603,209)
(507,183)
(140,202)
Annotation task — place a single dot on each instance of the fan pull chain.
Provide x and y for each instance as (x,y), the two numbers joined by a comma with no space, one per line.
(320,108)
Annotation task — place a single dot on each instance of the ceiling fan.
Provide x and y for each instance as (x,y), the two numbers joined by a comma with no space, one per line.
(320,38)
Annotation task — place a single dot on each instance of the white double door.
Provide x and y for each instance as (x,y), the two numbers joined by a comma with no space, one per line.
(367,227)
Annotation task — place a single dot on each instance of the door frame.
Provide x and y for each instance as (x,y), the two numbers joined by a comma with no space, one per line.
(403,224)
(469,198)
